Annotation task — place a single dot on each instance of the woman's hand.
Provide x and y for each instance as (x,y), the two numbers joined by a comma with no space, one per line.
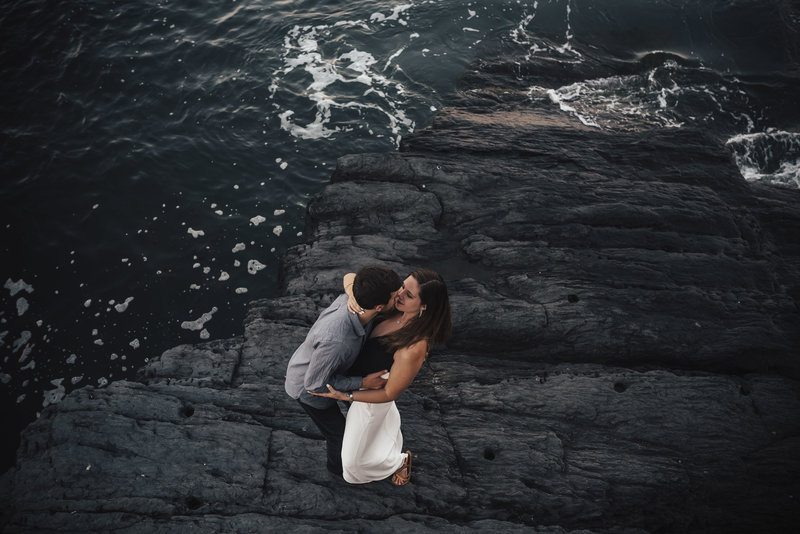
(333,394)
(352,305)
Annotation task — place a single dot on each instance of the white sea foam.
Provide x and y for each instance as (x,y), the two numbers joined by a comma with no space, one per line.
(16,287)
(393,57)
(277,230)
(258,219)
(54,396)
(253,266)
(238,247)
(87,303)
(75,379)
(26,352)
(72,358)
(397,11)
(523,36)
(195,233)
(204,334)
(662,97)
(278,212)
(135,343)
(22,305)
(241,290)
(24,337)
(223,276)
(198,323)
(102,382)
(122,306)
(772,156)
(5,378)
(568,35)
(309,51)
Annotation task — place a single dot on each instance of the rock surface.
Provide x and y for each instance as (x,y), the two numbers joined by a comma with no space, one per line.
(625,356)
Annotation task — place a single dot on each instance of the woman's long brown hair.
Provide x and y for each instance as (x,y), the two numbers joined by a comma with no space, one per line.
(434,324)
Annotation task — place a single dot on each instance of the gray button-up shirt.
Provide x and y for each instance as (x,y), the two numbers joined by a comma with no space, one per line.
(330,348)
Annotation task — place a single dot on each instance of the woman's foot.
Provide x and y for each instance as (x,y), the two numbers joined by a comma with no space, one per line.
(403,475)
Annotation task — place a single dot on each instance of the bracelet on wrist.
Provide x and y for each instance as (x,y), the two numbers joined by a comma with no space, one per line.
(351,396)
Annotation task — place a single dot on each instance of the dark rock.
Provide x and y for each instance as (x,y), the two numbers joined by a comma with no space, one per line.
(625,354)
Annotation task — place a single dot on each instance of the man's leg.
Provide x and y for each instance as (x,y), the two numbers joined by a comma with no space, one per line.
(330,422)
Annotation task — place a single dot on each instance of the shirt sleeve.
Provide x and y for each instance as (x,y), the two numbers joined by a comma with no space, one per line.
(327,358)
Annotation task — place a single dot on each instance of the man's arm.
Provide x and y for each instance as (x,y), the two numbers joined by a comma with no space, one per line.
(407,362)
(326,359)
(373,381)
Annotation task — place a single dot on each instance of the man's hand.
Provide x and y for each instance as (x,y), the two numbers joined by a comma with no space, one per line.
(374,381)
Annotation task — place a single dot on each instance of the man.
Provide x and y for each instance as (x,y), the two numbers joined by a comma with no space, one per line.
(331,347)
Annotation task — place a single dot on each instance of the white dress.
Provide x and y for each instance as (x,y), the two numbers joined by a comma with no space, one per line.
(373,444)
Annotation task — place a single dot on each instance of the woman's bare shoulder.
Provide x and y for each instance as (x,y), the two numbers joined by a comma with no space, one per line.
(412,352)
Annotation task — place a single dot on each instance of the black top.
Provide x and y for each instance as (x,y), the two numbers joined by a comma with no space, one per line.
(374,357)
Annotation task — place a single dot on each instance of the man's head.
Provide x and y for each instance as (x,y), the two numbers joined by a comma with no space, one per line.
(374,288)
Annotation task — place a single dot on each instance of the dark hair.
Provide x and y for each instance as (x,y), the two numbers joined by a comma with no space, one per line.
(374,286)
(434,324)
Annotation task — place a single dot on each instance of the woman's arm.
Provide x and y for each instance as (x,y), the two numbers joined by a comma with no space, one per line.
(352,305)
(407,363)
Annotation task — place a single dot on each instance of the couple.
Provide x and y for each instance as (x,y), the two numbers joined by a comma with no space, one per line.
(371,330)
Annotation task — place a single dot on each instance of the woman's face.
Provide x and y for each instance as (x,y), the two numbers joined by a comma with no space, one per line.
(408,297)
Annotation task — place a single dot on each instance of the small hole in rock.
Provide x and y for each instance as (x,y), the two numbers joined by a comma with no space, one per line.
(187,411)
(488,453)
(745,389)
(573,298)
(193,503)
(619,387)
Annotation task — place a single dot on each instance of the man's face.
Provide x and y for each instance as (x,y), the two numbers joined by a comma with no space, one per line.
(389,307)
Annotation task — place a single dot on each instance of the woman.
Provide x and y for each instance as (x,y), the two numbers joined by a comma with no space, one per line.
(373,442)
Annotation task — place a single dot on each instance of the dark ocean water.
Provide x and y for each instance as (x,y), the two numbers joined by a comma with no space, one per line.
(157,157)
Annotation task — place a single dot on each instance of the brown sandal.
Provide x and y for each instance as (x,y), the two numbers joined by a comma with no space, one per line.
(403,475)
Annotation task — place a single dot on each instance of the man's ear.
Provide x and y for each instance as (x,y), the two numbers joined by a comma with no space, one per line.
(378,308)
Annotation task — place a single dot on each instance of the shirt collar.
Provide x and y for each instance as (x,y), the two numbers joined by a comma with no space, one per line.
(356,324)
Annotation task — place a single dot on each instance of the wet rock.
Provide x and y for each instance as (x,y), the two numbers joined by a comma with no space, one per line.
(625,353)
